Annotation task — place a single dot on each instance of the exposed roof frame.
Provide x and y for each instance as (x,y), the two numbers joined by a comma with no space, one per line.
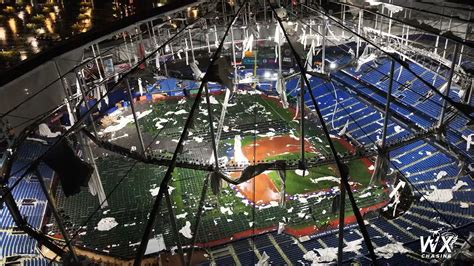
(465,109)
(435,13)
(451,38)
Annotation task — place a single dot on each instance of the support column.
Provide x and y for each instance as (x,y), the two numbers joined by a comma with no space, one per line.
(223,113)
(323,61)
(382,162)
(302,163)
(233,57)
(163,52)
(387,105)
(186,48)
(208,44)
(67,92)
(171,45)
(281,82)
(390,23)
(214,141)
(381,22)
(191,44)
(158,29)
(141,46)
(223,12)
(249,13)
(134,50)
(215,34)
(319,39)
(81,83)
(403,25)
(408,29)
(153,33)
(446,39)
(96,62)
(280,75)
(361,15)
(465,37)
(436,44)
(376,20)
(448,88)
(127,50)
(343,7)
(165,67)
(100,59)
(137,126)
(150,35)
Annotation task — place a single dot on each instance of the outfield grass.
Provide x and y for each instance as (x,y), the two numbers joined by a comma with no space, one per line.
(188,183)
(247,140)
(132,201)
(295,184)
(276,109)
(359,172)
(322,219)
(338,146)
(177,198)
(275,177)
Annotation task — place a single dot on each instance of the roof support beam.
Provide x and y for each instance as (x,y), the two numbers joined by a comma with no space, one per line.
(465,109)
(411,24)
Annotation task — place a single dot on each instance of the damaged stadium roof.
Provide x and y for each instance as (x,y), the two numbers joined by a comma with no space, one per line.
(247,132)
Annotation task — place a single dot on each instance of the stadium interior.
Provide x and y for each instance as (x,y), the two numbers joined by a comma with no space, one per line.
(246,133)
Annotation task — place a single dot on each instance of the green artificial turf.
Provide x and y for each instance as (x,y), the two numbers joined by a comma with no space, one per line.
(359,172)
(131,201)
(276,109)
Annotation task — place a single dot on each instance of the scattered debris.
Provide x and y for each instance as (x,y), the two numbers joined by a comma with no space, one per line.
(105,224)
(186,230)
